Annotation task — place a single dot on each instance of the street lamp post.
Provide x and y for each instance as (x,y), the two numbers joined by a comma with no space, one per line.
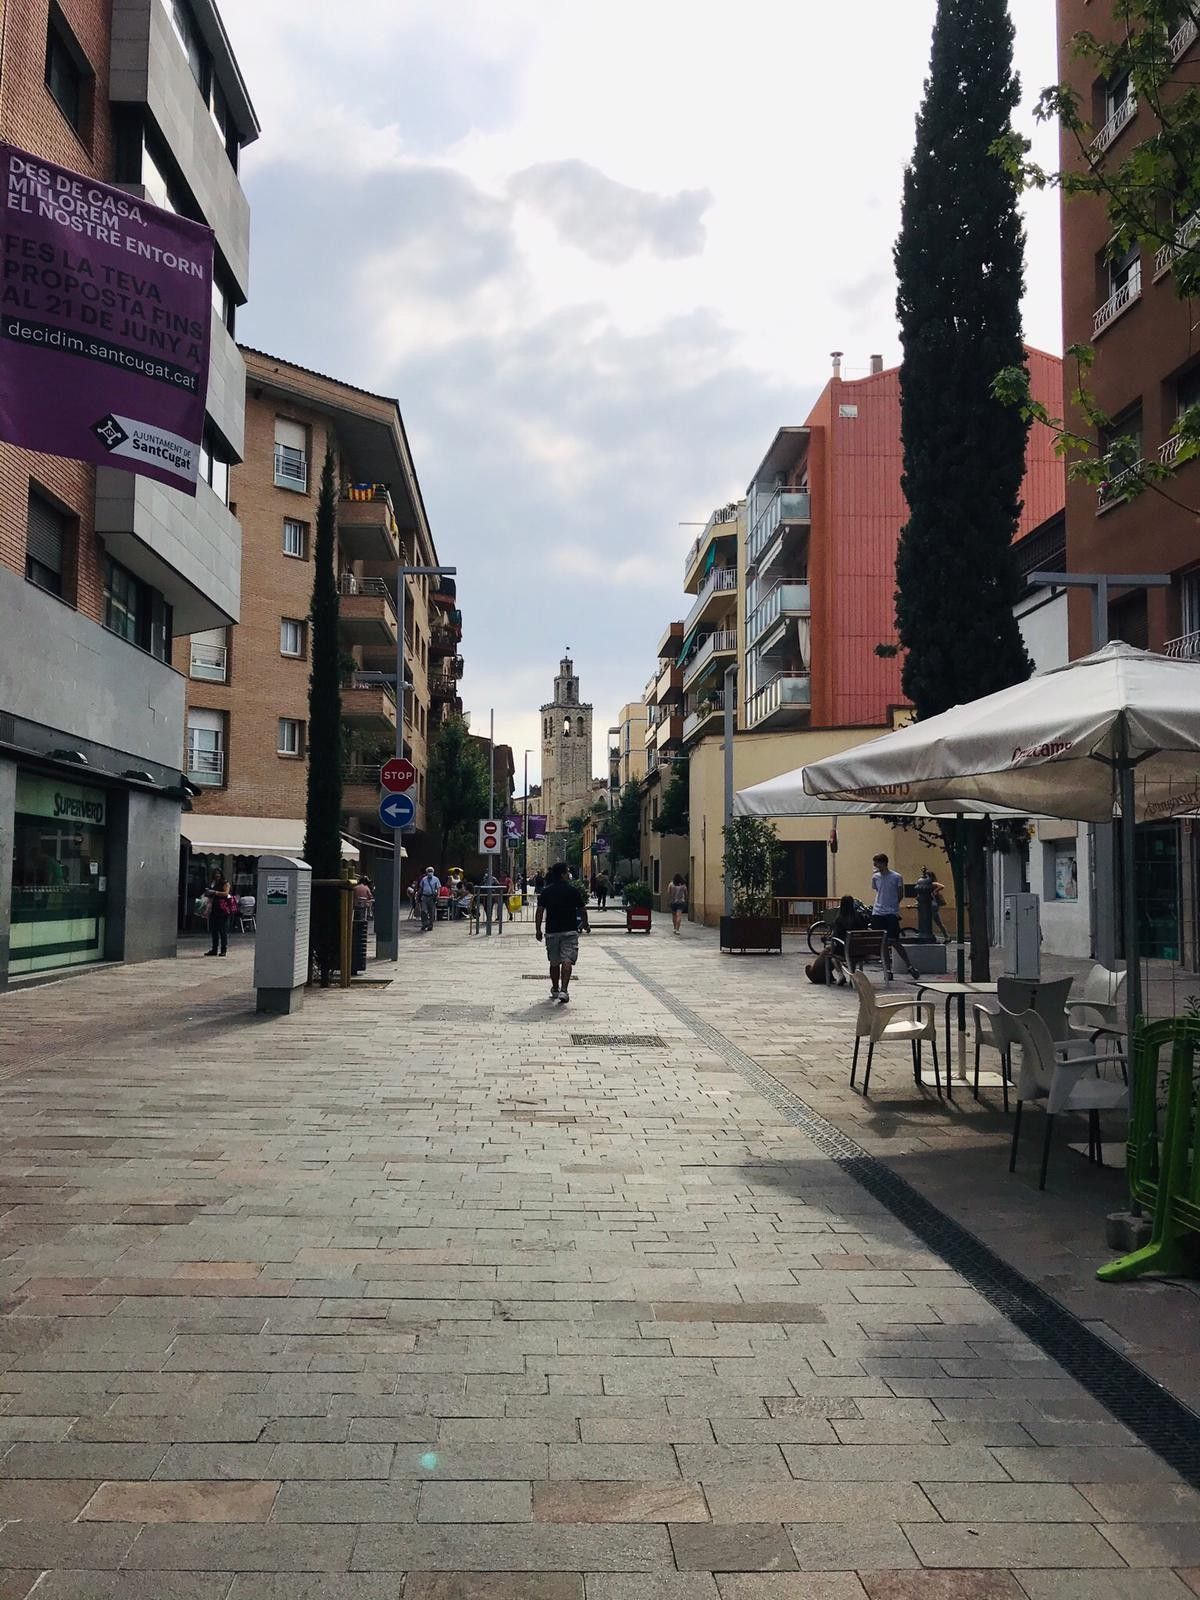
(403,572)
(525,833)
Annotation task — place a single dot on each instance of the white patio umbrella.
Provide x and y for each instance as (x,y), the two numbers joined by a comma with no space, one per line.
(1117,732)
(786,796)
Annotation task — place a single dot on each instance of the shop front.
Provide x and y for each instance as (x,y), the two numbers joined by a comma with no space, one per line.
(59,874)
(226,849)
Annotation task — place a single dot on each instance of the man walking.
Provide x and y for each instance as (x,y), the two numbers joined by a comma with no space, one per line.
(429,889)
(559,906)
(885,913)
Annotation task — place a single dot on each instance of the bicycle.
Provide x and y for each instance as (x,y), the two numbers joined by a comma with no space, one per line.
(820,928)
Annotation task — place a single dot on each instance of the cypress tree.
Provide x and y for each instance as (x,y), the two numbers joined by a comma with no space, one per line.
(323,814)
(960,272)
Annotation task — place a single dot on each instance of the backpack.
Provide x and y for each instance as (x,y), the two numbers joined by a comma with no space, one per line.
(818,971)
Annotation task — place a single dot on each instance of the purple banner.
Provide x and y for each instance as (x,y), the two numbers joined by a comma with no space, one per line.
(537,827)
(512,830)
(105,318)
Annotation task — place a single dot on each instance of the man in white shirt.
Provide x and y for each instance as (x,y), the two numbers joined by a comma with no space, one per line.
(429,889)
(885,913)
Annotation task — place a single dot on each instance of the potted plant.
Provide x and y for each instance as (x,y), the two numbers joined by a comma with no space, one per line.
(751,857)
(638,901)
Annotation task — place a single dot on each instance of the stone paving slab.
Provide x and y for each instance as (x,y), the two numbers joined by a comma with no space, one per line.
(367,1301)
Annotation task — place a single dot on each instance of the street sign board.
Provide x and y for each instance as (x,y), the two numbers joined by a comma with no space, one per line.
(397,810)
(489,838)
(398,775)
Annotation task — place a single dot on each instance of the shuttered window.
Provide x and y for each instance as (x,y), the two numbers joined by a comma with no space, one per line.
(46,543)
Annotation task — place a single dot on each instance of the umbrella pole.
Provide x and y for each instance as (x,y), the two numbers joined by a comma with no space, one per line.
(960,896)
(1133,976)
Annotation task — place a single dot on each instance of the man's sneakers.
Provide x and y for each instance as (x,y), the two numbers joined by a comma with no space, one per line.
(554,991)
(564,998)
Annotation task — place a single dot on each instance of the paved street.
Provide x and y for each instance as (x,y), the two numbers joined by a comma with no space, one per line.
(438,1291)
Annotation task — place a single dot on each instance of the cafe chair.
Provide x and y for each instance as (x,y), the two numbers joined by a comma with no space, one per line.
(1094,1009)
(1065,1076)
(882,1020)
(1050,1003)
(991,1028)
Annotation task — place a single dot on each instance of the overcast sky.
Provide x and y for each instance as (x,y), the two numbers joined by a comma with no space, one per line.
(600,252)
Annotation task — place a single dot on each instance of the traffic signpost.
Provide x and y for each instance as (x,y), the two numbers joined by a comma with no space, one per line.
(490,838)
(397,810)
(398,775)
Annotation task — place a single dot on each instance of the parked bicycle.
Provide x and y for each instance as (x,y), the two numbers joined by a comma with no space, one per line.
(819,928)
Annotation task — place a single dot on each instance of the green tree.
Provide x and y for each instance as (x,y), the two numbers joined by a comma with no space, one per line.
(960,271)
(457,788)
(673,812)
(751,861)
(625,825)
(1150,187)
(323,807)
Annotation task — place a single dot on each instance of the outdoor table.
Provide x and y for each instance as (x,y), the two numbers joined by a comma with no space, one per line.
(954,991)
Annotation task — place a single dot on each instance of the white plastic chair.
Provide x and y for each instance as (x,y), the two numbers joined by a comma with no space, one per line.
(1065,1076)
(880,1019)
(1094,1008)
(1012,995)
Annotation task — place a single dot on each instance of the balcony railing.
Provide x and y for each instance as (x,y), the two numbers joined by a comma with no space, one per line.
(1113,126)
(1118,486)
(720,516)
(721,580)
(1169,449)
(700,708)
(361,772)
(784,506)
(792,599)
(721,642)
(206,767)
(210,661)
(350,584)
(1120,300)
(1182,38)
(1185,648)
(291,468)
(787,689)
(1185,236)
(363,681)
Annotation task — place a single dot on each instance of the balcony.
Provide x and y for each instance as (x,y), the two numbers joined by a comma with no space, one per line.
(367,525)
(443,686)
(1185,648)
(210,661)
(291,469)
(787,508)
(444,638)
(1167,453)
(705,713)
(668,731)
(360,787)
(1117,488)
(785,600)
(713,595)
(369,703)
(206,768)
(721,524)
(1185,237)
(1120,300)
(718,644)
(787,698)
(668,685)
(1121,115)
(1182,38)
(366,614)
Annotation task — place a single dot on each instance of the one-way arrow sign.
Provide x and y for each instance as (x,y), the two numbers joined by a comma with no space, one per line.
(397,810)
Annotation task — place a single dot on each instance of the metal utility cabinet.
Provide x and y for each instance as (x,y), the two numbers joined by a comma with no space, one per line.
(281,944)
(1022,936)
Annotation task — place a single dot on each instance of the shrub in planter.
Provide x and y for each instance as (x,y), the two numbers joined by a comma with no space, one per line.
(751,858)
(638,901)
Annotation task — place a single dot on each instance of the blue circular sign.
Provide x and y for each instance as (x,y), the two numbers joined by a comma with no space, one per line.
(397,810)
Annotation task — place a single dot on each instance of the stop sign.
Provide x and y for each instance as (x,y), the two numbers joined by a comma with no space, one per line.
(398,775)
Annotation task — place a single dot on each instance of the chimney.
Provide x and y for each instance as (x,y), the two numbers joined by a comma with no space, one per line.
(876,364)
(837,363)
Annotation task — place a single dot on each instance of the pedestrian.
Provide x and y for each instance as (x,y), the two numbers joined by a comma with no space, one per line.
(539,880)
(677,900)
(559,906)
(222,908)
(885,913)
(489,892)
(601,891)
(937,899)
(364,899)
(429,888)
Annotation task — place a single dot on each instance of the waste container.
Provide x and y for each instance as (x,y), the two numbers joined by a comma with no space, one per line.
(281,946)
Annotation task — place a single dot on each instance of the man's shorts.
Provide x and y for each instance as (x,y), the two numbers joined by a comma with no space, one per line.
(883,923)
(562,947)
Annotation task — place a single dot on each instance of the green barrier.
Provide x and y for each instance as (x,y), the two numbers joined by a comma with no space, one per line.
(1164,1169)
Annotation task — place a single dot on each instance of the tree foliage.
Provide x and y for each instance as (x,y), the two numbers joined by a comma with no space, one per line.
(323,809)
(752,857)
(457,788)
(1149,183)
(625,825)
(673,812)
(960,270)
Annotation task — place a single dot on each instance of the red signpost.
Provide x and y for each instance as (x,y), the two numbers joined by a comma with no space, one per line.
(398,775)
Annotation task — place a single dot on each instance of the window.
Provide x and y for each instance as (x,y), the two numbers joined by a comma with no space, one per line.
(291,637)
(209,656)
(223,298)
(218,109)
(135,611)
(49,531)
(291,455)
(291,737)
(189,38)
(214,463)
(206,748)
(295,538)
(1187,391)
(68,77)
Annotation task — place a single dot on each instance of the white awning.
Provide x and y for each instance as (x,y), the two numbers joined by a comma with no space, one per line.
(250,836)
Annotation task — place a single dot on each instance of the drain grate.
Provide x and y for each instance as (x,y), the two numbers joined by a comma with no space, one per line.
(649,1040)
(1162,1423)
(454,1013)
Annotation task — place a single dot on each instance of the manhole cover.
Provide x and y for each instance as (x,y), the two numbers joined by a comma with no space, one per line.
(454,1013)
(650,1040)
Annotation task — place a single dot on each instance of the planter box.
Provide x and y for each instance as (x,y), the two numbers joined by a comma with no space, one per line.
(637,919)
(927,958)
(752,933)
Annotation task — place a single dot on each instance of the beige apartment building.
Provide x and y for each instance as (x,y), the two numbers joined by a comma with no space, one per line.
(246,749)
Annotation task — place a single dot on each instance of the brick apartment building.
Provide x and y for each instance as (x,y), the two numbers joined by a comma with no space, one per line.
(1147,370)
(99,568)
(247,687)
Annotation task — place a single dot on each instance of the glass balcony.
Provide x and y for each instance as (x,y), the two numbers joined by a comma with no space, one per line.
(291,468)
(209,661)
(788,692)
(206,768)
(721,581)
(785,600)
(785,508)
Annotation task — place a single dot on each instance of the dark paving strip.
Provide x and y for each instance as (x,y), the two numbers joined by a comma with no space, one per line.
(1162,1422)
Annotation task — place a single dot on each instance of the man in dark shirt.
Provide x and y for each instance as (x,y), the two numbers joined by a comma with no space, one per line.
(558,907)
